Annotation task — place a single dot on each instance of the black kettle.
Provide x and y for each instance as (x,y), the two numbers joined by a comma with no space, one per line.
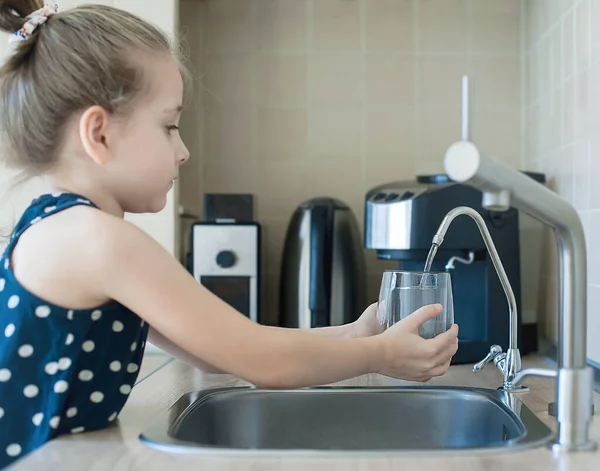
(323,274)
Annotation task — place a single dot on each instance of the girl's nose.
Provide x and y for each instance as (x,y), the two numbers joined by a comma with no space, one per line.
(183,156)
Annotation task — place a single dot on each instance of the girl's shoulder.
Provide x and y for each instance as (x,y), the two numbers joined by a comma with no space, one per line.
(55,251)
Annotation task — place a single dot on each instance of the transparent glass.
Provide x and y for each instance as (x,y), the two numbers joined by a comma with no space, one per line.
(403,292)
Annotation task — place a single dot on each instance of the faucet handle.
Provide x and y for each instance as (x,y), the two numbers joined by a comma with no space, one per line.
(494,351)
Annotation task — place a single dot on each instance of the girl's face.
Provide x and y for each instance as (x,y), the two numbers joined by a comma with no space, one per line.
(148,149)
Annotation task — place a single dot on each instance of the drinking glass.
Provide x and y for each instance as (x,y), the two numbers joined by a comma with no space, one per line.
(403,292)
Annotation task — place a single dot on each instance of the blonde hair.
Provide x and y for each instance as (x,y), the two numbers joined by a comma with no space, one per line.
(81,57)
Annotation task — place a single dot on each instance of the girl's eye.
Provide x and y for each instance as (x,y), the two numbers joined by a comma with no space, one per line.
(172,128)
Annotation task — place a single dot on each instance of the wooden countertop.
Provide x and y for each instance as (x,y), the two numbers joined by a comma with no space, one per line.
(118,447)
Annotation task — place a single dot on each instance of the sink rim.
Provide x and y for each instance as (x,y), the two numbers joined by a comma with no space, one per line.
(158,436)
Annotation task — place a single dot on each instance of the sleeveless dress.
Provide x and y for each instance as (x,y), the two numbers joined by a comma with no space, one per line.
(61,370)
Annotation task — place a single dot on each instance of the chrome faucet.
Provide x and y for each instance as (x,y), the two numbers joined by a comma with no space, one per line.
(503,186)
(508,363)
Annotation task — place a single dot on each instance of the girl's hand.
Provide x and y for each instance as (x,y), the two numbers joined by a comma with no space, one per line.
(367,324)
(407,355)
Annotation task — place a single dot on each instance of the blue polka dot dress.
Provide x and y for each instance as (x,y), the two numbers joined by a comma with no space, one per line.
(61,370)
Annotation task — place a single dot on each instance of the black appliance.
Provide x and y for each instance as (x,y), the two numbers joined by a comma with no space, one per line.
(401,219)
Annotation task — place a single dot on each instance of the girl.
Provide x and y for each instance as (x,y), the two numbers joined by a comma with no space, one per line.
(90,100)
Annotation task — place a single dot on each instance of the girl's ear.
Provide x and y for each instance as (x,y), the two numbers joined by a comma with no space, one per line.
(93,131)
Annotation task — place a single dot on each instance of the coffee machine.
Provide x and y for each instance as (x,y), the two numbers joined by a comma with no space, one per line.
(401,219)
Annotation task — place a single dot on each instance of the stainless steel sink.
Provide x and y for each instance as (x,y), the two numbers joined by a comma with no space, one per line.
(365,419)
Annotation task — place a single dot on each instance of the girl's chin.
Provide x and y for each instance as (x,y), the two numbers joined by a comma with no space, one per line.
(153,205)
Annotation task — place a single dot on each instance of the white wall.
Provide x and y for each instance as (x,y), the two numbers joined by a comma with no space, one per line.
(164,225)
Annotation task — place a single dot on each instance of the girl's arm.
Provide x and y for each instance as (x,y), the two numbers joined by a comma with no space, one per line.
(82,257)
(157,339)
(344,331)
(137,272)
(339,331)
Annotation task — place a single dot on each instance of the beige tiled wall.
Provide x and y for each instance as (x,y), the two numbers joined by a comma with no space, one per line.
(306,98)
(562,104)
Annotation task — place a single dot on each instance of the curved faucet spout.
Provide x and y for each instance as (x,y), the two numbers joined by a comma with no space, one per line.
(438,238)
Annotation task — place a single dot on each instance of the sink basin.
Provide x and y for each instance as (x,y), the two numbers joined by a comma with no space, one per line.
(365,419)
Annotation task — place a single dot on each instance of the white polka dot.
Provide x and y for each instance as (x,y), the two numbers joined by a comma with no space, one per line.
(133,346)
(64,363)
(10,329)
(56,194)
(25,351)
(54,421)
(70,338)
(86,375)
(1,412)
(42,311)
(143,344)
(97,314)
(61,386)
(5,375)
(96,397)
(6,264)
(117,326)
(88,346)
(112,417)
(125,389)
(77,430)
(13,301)
(80,200)
(31,391)
(13,450)
(2,284)
(71,412)
(49,209)
(37,419)
(142,323)
(115,366)
(37,219)
(51,368)
(70,315)
(132,368)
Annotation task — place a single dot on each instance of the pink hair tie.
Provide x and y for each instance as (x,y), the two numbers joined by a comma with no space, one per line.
(34,20)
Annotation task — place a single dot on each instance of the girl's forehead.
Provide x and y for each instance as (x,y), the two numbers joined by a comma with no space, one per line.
(165,84)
